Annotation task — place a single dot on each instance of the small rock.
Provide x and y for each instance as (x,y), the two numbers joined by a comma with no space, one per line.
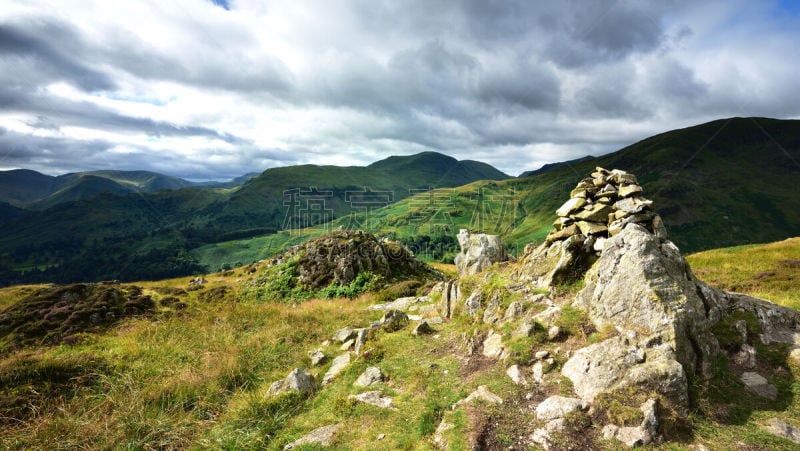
(493,345)
(317,357)
(381,436)
(746,357)
(553,332)
(374,398)
(321,436)
(339,364)
(482,394)
(759,385)
(347,344)
(527,327)
(423,328)
(298,380)
(435,320)
(541,368)
(473,302)
(371,375)
(514,310)
(438,436)
(556,407)
(542,355)
(394,320)
(342,335)
(515,373)
(782,429)
(361,339)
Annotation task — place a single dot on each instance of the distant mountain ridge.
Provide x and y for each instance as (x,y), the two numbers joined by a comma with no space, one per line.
(28,189)
(136,235)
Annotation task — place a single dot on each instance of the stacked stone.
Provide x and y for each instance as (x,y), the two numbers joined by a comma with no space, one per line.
(601,206)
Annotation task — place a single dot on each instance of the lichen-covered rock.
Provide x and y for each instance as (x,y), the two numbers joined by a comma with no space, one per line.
(556,263)
(643,284)
(478,252)
(394,320)
(342,254)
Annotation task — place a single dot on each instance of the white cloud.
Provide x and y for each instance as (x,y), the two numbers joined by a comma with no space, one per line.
(195,90)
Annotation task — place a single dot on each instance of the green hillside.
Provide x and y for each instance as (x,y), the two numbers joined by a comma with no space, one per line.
(723,183)
(81,187)
(149,235)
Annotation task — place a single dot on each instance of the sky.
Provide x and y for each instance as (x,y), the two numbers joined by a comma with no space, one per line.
(213,89)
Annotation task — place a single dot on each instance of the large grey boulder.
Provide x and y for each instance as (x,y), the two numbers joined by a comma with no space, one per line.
(643,288)
(478,252)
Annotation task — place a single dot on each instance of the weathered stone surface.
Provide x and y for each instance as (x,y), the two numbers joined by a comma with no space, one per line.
(553,264)
(553,332)
(492,312)
(423,328)
(633,205)
(642,284)
(338,365)
(374,398)
(361,339)
(342,254)
(481,394)
(473,303)
(317,357)
(394,320)
(541,368)
(516,375)
(556,407)
(478,252)
(641,435)
(591,228)
(598,213)
(344,334)
(371,375)
(627,190)
(571,206)
(297,381)
(347,344)
(321,436)
(618,363)
(759,385)
(513,310)
(449,292)
(746,357)
(782,429)
(404,303)
(493,345)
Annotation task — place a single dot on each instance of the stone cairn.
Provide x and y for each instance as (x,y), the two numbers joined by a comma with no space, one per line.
(601,206)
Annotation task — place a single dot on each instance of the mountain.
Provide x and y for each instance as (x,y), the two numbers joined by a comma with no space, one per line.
(81,187)
(727,182)
(32,190)
(9,212)
(550,166)
(143,235)
(19,187)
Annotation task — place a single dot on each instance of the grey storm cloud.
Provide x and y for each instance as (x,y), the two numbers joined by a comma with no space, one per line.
(51,50)
(360,80)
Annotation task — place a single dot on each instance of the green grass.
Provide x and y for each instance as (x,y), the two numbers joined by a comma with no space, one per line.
(769,271)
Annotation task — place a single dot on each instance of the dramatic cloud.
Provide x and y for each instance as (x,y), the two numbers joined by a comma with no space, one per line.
(217,88)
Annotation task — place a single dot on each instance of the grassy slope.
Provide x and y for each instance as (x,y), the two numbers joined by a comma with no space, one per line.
(198,377)
(769,271)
